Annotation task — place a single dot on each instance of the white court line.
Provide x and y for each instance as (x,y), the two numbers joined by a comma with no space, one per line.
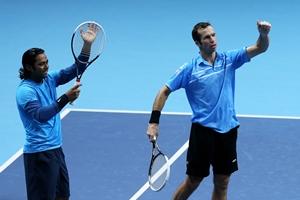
(11,160)
(126,111)
(180,113)
(171,161)
(269,116)
(20,151)
(67,110)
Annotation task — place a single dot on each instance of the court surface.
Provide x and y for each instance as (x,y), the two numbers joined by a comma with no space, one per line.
(107,153)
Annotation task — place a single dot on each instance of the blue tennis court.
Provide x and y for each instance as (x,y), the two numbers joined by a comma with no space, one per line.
(107,153)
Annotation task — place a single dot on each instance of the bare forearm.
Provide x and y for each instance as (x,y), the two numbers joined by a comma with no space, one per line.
(261,46)
(262,43)
(161,98)
(158,105)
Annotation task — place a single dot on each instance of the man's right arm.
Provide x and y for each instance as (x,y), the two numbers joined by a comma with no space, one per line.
(157,107)
(44,113)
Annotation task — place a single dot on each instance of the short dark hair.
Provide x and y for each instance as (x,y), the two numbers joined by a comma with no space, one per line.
(195,34)
(28,58)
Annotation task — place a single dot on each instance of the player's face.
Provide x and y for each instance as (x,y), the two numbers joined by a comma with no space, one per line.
(40,68)
(208,40)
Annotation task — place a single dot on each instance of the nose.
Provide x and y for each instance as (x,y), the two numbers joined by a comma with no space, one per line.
(46,67)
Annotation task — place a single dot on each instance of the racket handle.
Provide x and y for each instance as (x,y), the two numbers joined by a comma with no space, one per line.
(153,141)
(77,82)
(154,138)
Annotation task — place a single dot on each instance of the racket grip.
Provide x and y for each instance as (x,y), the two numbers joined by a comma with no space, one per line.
(77,82)
(154,138)
(153,141)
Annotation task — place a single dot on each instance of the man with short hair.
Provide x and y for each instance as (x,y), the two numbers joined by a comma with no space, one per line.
(209,83)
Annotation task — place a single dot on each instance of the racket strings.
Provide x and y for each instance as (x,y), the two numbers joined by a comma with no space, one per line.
(159,172)
(96,38)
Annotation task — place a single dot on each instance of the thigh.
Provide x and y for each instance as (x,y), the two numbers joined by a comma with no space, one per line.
(63,186)
(225,156)
(200,150)
(41,172)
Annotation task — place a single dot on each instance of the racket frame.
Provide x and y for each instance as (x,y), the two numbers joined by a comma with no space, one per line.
(78,77)
(155,148)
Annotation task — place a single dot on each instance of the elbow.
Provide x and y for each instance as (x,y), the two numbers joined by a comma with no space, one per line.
(40,114)
(40,118)
(264,49)
(44,115)
(260,50)
(165,91)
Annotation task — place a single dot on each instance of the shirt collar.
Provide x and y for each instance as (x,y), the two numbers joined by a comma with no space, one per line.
(202,62)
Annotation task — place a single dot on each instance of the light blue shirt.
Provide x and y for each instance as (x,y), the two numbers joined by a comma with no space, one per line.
(39,112)
(40,136)
(210,89)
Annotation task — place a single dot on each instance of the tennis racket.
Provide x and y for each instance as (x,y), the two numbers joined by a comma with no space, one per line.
(87,44)
(159,170)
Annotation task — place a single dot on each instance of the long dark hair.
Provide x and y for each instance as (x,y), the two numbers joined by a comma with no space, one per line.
(28,58)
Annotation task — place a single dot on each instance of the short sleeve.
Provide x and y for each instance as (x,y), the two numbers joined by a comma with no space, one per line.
(238,57)
(181,77)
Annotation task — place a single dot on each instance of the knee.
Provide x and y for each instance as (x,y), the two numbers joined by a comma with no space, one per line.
(221,183)
(220,186)
(193,181)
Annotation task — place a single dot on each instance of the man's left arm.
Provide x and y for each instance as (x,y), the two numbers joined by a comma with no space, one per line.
(78,68)
(262,43)
(68,74)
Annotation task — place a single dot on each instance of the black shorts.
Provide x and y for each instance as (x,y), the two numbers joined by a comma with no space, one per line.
(208,147)
(46,175)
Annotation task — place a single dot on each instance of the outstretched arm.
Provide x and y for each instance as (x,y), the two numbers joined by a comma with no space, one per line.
(158,105)
(262,43)
(88,38)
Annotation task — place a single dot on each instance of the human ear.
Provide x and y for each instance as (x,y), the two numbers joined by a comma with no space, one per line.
(198,43)
(28,67)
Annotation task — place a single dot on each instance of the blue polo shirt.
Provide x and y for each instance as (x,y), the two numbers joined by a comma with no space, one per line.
(210,89)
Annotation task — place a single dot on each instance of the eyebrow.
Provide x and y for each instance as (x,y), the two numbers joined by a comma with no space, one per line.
(42,62)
